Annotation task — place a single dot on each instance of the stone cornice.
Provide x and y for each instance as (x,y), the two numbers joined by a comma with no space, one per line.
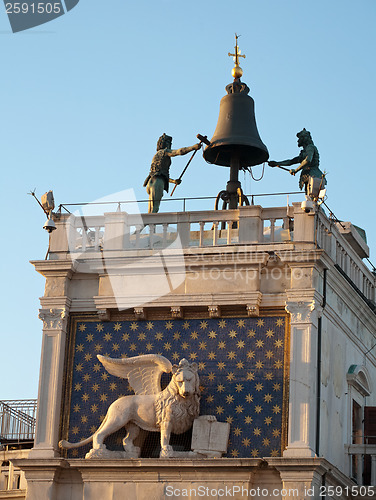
(46,268)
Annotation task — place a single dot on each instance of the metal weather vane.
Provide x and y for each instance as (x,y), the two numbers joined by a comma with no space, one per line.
(237,72)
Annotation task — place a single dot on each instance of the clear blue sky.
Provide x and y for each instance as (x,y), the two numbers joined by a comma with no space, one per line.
(85,97)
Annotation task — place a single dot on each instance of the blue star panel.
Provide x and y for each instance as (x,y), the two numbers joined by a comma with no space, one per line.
(243,369)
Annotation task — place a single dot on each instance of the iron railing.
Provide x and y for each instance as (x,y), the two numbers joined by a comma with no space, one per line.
(17,420)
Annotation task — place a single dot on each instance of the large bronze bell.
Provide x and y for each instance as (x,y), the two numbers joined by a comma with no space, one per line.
(236,135)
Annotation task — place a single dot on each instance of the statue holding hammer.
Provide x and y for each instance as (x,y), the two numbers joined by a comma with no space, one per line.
(159,176)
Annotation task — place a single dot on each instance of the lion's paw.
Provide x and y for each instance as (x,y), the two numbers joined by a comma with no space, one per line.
(166,452)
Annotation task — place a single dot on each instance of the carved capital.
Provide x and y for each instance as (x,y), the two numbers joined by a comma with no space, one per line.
(214,311)
(303,311)
(176,312)
(140,313)
(53,319)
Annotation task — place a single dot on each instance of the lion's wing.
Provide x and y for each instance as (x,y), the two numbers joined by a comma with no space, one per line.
(143,372)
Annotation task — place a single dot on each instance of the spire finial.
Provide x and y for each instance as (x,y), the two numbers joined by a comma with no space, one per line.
(237,72)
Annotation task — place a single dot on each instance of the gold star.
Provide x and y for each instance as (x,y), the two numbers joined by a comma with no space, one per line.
(103,397)
(240,344)
(149,346)
(211,376)
(268,398)
(259,387)
(210,399)
(113,386)
(229,399)
(239,387)
(149,325)
(193,356)
(221,323)
(203,325)
(86,377)
(259,343)
(250,354)
(176,336)
(258,409)
(250,376)
(246,442)
(278,364)
(232,334)
(269,333)
(276,433)
(276,409)
(107,336)
(230,376)
(239,409)
(212,355)
(274,453)
(186,325)
(95,387)
(276,387)
(79,367)
(117,327)
(221,365)
(133,326)
(248,419)
(266,442)
(85,397)
(169,325)
(259,365)
(229,420)
(255,452)
(221,345)
(251,333)
(93,429)
(94,408)
(202,345)
(175,356)
(278,343)
(231,355)
(141,336)
(84,419)
(115,347)
(201,366)
(237,431)
(257,431)
(76,408)
(82,327)
(240,365)
(219,410)
(220,388)
(167,346)
(80,347)
(249,398)
(159,336)
(194,335)
(268,420)
(133,347)
(99,327)
(185,346)
(241,323)
(260,322)
(212,334)
(269,376)
(269,354)
(104,376)
(279,322)
(98,347)
(235,453)
(97,367)
(89,337)
(125,337)
(75,430)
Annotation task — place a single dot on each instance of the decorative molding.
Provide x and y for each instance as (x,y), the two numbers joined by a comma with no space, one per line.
(214,311)
(176,312)
(53,319)
(140,313)
(358,377)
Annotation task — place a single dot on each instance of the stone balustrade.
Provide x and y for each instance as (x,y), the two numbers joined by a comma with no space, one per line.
(360,451)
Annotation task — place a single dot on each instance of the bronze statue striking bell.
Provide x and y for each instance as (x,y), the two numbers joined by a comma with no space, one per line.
(236,134)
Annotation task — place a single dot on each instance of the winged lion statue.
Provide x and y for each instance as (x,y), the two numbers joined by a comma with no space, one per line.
(171,410)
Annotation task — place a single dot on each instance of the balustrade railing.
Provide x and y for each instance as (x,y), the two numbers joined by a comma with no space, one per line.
(362,463)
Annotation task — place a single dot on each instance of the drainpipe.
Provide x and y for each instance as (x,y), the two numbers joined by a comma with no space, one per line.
(318,381)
